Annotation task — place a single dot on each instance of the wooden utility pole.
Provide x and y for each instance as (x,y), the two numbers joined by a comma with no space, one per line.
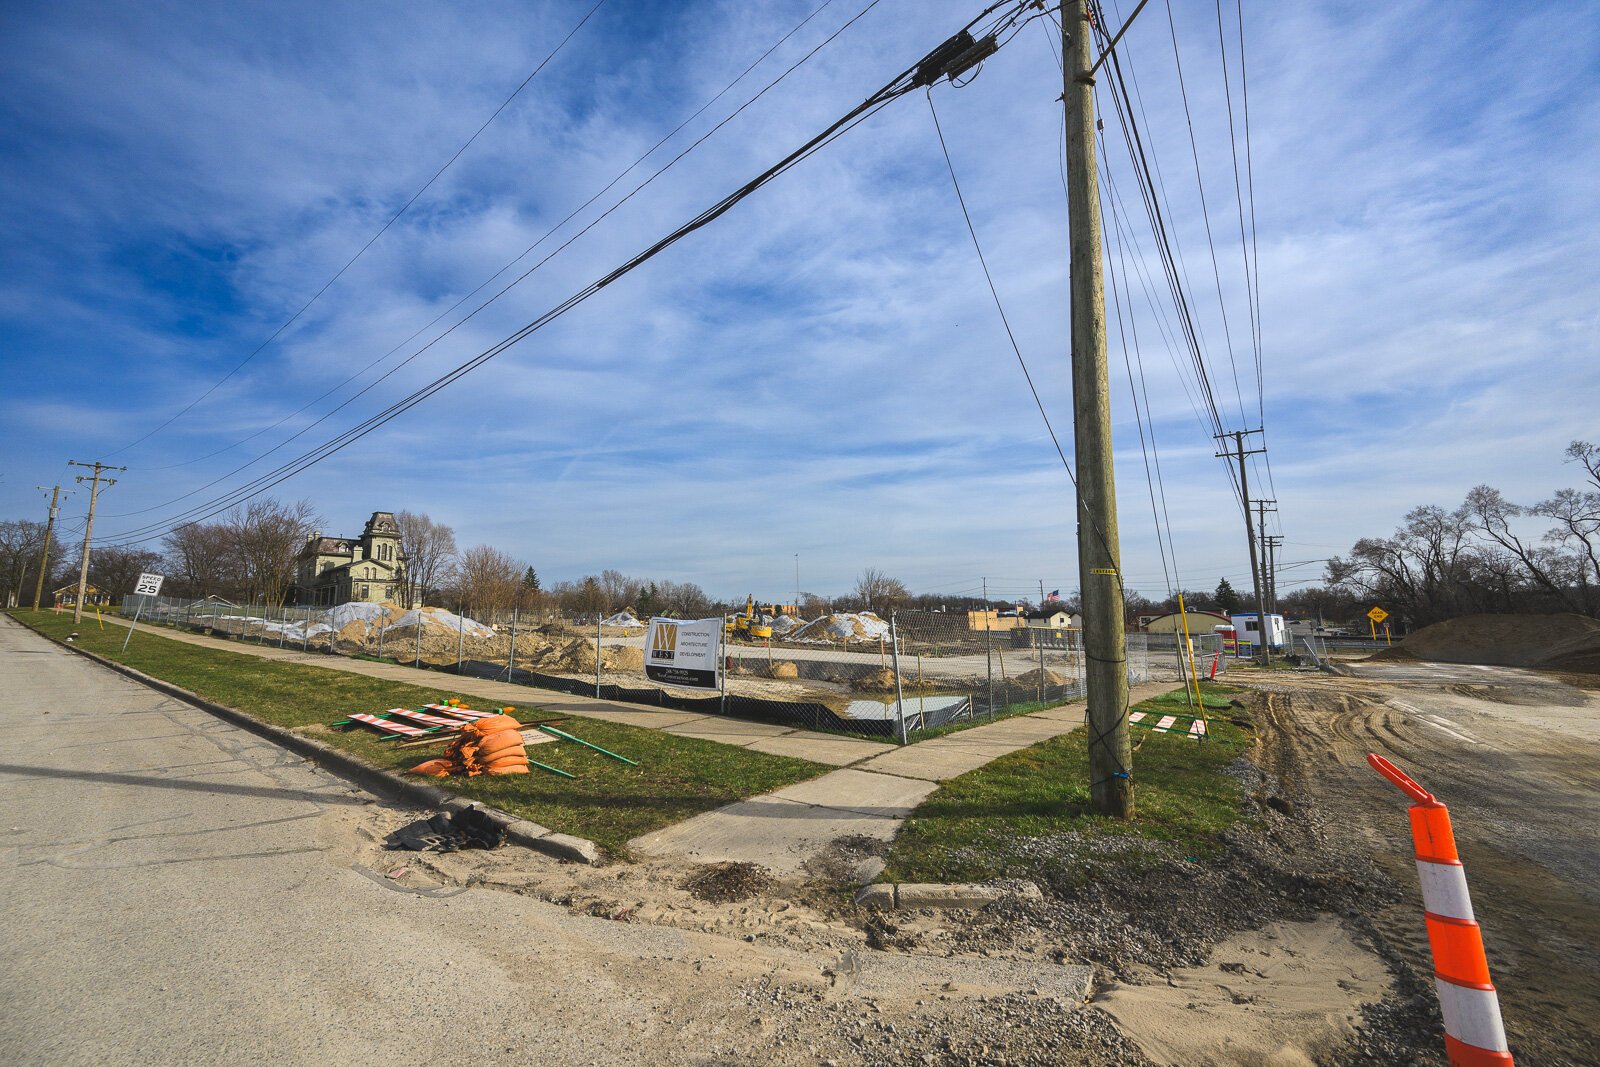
(1272,572)
(44,553)
(88,527)
(1263,508)
(1240,452)
(1099,563)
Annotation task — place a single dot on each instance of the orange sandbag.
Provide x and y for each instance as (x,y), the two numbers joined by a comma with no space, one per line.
(436,768)
(492,745)
(493,724)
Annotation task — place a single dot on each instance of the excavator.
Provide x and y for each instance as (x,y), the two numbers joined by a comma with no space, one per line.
(748,624)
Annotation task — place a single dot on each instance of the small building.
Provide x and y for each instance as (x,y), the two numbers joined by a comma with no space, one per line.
(369,569)
(1248,627)
(67,596)
(1199,622)
(1054,618)
(980,621)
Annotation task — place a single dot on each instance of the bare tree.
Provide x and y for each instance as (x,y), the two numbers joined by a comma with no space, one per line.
(21,545)
(201,560)
(115,570)
(487,579)
(430,551)
(879,592)
(266,535)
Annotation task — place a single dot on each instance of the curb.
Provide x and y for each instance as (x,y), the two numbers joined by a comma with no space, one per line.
(937,895)
(373,779)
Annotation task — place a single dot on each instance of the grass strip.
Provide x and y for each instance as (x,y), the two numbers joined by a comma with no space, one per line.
(979,826)
(608,802)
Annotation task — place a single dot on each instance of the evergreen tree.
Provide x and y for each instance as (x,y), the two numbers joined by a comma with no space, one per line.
(530,581)
(1227,597)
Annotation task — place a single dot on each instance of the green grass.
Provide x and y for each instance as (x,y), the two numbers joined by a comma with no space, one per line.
(977,826)
(609,802)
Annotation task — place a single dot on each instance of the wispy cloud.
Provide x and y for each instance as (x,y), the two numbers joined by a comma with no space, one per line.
(822,371)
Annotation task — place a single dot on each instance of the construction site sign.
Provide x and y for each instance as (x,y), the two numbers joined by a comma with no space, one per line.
(679,652)
(1377,614)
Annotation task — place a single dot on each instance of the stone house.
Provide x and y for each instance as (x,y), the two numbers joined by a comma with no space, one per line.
(337,570)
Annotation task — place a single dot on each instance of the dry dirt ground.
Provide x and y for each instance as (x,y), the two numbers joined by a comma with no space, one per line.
(1515,754)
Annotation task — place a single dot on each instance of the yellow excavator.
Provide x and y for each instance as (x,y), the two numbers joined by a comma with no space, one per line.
(747,624)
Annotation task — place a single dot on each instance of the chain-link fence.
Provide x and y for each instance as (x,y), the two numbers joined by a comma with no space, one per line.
(896,677)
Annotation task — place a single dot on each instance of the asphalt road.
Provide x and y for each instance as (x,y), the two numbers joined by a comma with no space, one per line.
(180,891)
(1515,755)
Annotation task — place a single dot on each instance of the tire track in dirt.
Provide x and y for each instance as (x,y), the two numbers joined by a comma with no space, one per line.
(1525,820)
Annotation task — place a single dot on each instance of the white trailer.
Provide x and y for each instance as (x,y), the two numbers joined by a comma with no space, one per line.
(1249,630)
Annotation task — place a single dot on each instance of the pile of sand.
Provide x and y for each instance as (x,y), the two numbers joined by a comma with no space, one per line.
(1552,642)
(844,626)
(1050,678)
(880,680)
(622,658)
(574,657)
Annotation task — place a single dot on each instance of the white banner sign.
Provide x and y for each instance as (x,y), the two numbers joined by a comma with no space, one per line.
(683,653)
(149,585)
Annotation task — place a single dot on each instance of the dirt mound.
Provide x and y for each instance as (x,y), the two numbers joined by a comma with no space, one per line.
(878,681)
(623,658)
(1556,642)
(576,656)
(847,627)
(1050,678)
(724,883)
(783,669)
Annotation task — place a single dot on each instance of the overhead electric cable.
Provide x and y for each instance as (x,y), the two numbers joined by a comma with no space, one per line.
(957,55)
(554,229)
(517,281)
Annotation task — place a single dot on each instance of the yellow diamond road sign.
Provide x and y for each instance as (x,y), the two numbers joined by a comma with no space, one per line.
(1377,614)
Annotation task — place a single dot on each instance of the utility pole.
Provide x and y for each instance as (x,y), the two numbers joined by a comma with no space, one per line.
(1238,451)
(49,534)
(88,527)
(1272,571)
(1099,563)
(1263,508)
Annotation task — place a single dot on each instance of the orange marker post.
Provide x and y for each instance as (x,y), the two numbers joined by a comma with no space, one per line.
(1474,1035)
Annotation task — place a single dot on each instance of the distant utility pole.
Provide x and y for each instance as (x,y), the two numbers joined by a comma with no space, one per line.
(1263,508)
(88,527)
(1272,571)
(44,553)
(1239,452)
(1099,564)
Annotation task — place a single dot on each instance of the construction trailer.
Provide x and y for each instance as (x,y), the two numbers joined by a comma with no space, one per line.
(1250,632)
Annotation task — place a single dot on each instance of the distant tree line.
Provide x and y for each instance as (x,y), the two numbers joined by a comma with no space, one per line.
(1489,555)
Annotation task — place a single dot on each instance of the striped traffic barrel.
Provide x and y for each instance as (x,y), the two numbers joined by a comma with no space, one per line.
(1474,1035)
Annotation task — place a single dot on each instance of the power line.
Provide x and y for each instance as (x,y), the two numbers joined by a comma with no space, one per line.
(955,56)
(520,278)
(554,229)
(1006,322)
(371,240)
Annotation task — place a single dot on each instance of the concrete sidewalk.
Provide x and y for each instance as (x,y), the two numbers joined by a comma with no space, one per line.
(830,749)
(785,829)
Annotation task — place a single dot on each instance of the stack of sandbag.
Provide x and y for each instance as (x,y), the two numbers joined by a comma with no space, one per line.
(488,746)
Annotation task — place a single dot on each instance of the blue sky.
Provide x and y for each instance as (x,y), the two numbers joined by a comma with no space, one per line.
(822,371)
